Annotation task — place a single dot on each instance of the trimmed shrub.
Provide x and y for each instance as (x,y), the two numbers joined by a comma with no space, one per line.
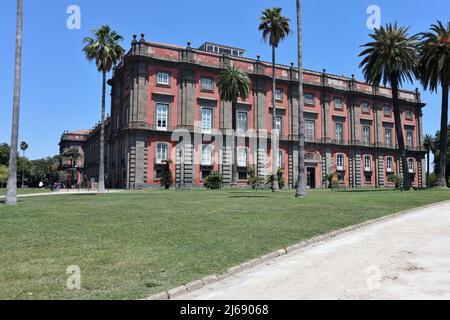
(213,181)
(397,179)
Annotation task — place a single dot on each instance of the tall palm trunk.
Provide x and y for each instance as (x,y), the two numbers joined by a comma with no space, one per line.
(301,183)
(443,136)
(399,133)
(275,186)
(11,193)
(101,167)
(428,169)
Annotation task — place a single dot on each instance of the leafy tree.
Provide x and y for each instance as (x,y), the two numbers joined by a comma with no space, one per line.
(4,154)
(391,58)
(11,192)
(396,178)
(105,50)
(3,175)
(275,27)
(434,72)
(166,175)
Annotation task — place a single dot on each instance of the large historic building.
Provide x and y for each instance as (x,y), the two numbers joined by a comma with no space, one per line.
(165,106)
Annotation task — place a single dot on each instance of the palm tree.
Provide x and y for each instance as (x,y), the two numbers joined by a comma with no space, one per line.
(232,84)
(301,181)
(23,147)
(105,49)
(428,145)
(391,58)
(275,27)
(434,71)
(11,193)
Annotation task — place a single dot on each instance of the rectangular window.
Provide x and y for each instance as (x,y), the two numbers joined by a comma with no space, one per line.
(408,114)
(161,152)
(388,137)
(278,124)
(366,135)
(411,165)
(338,103)
(409,138)
(280,158)
(310,130)
(389,164)
(163,78)
(242,157)
(365,107)
(242,122)
(368,178)
(309,99)
(162,113)
(205,174)
(340,161)
(206,155)
(207,84)
(367,163)
(206,119)
(387,110)
(339,132)
(278,94)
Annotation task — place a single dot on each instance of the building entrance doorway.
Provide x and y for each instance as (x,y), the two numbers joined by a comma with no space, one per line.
(311,177)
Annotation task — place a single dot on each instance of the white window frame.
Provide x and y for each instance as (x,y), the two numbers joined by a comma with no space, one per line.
(388,142)
(312,95)
(389,164)
(339,138)
(308,136)
(278,124)
(206,127)
(279,94)
(366,135)
(239,121)
(163,78)
(162,152)
(411,164)
(340,158)
(410,138)
(160,114)
(242,161)
(207,151)
(367,166)
(205,86)
(409,114)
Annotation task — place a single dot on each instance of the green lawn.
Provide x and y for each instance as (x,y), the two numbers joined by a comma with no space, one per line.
(130,245)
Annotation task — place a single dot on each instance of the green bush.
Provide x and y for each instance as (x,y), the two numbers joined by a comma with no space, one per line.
(166,175)
(397,179)
(213,181)
(253,179)
(281,182)
(433,179)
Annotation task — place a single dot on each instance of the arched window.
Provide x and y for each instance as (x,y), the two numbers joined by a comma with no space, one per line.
(389,164)
(367,162)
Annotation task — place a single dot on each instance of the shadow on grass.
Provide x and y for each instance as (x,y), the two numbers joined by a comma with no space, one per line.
(367,190)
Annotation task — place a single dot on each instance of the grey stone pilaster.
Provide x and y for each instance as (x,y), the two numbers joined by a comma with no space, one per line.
(380,170)
(188,165)
(293,164)
(261,116)
(379,125)
(358,178)
(326,118)
(227,165)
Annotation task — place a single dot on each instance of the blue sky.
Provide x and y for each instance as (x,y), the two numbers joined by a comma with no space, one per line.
(62,91)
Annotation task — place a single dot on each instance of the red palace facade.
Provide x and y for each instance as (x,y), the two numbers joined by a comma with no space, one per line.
(165,105)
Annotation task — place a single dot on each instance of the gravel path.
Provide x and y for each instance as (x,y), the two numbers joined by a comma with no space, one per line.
(407,257)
